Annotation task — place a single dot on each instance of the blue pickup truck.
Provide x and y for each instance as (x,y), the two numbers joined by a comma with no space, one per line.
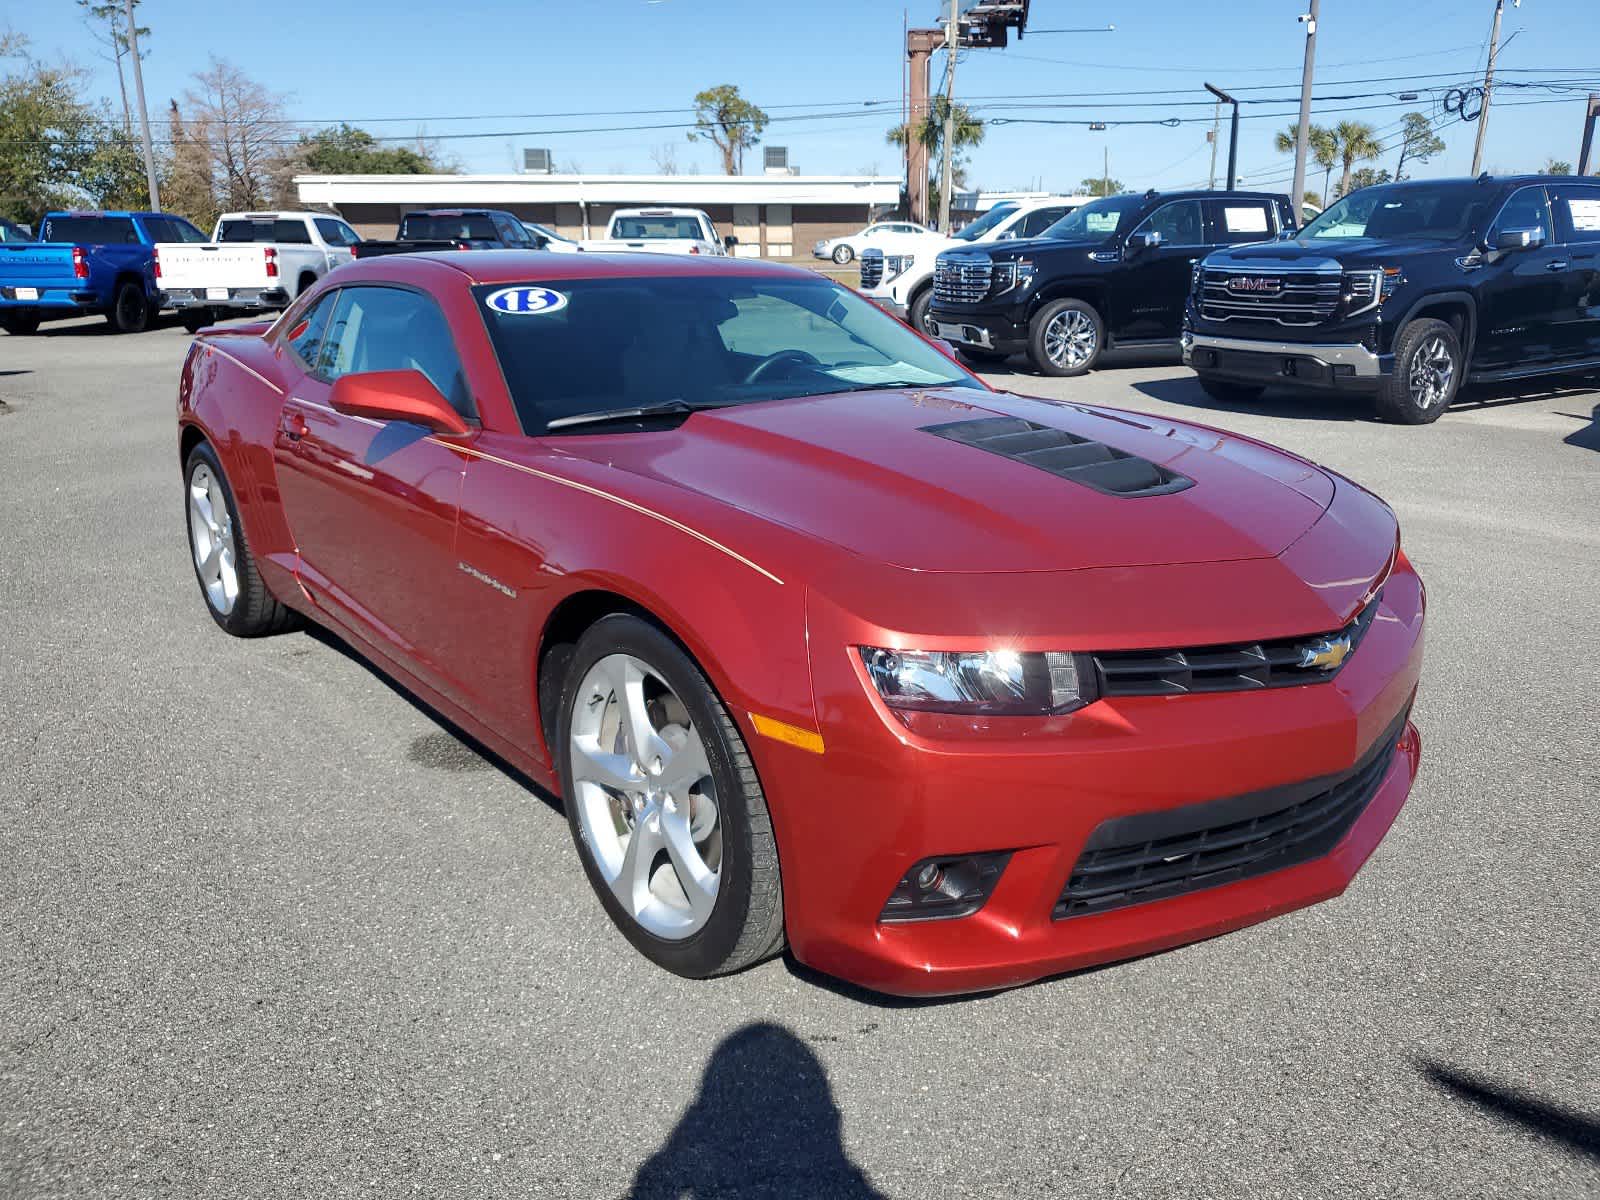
(88,262)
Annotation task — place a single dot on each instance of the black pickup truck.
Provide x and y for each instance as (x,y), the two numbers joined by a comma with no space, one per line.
(453,229)
(1115,272)
(1404,291)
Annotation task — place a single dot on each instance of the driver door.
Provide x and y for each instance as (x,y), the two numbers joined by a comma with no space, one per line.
(1150,287)
(372,505)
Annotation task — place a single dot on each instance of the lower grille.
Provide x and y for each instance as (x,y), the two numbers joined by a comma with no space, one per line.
(961,280)
(1287,298)
(1155,856)
(871,268)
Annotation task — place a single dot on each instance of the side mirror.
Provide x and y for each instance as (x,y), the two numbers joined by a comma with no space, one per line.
(1518,239)
(1287,235)
(1146,239)
(396,396)
(1006,236)
(729,242)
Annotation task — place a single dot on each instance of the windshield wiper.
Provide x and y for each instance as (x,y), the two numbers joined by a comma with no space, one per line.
(666,408)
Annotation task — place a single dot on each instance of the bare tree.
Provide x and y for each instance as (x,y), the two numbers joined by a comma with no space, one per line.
(665,157)
(245,134)
(188,188)
(108,23)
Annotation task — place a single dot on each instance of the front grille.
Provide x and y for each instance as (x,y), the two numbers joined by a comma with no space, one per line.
(1155,856)
(1284,298)
(1240,667)
(871,268)
(1079,459)
(961,280)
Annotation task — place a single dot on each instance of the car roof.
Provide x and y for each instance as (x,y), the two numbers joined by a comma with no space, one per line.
(518,266)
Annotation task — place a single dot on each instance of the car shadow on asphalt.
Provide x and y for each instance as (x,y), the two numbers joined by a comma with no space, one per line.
(450,748)
(764,1122)
(1587,438)
(1567,1127)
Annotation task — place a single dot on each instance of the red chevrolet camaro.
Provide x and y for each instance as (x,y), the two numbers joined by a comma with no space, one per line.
(821,640)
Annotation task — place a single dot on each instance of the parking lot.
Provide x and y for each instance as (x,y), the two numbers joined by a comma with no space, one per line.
(268,928)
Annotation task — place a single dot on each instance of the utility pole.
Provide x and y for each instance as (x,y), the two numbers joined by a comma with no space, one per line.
(1488,87)
(1105,185)
(1216,136)
(952,43)
(1302,137)
(1233,133)
(144,114)
(1588,133)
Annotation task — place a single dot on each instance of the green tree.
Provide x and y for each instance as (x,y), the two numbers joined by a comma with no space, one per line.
(1554,166)
(1322,148)
(346,150)
(966,131)
(1368,177)
(1100,186)
(729,122)
(1418,142)
(1358,142)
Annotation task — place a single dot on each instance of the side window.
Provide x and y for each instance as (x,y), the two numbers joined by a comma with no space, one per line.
(1526,209)
(1238,221)
(508,232)
(309,333)
(1178,223)
(1578,209)
(291,232)
(391,329)
(336,233)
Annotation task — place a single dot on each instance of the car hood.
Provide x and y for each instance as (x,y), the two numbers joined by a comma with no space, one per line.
(1334,254)
(863,471)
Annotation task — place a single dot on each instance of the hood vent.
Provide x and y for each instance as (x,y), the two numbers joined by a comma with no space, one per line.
(1093,464)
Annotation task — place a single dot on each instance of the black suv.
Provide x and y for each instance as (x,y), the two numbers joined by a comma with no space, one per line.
(1405,291)
(1112,273)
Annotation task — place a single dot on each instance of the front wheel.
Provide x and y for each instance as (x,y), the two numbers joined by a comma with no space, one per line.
(843,254)
(667,813)
(1226,392)
(1065,338)
(20,322)
(1427,374)
(130,311)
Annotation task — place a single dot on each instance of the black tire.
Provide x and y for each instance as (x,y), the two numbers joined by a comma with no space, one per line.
(130,311)
(746,921)
(980,358)
(256,612)
(843,254)
(307,279)
(1224,391)
(196,319)
(1039,332)
(1397,399)
(917,314)
(23,322)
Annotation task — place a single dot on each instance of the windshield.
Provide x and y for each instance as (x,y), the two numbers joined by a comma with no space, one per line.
(441,227)
(90,231)
(1097,220)
(1429,210)
(986,222)
(635,228)
(578,346)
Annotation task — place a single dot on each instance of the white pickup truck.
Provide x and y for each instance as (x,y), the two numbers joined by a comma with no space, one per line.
(255,261)
(660,231)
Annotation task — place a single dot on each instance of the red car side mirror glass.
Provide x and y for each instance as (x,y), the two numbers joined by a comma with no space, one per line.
(396,396)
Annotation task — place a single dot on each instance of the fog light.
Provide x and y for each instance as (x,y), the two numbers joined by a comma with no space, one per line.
(940,888)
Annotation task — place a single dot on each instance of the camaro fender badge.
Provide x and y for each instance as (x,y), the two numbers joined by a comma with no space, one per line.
(484,577)
(524,301)
(1325,653)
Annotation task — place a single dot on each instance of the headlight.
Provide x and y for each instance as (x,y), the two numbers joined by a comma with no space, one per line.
(895,265)
(1367,289)
(1008,683)
(1194,277)
(1016,273)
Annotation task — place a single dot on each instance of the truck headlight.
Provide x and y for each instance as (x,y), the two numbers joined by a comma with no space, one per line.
(1365,290)
(896,265)
(1015,273)
(1006,683)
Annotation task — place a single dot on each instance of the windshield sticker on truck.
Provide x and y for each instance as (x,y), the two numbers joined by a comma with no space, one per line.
(1245,220)
(1585,214)
(526,301)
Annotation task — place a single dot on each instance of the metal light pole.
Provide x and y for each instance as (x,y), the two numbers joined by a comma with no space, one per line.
(1488,86)
(144,115)
(1302,137)
(952,43)
(1588,133)
(1233,133)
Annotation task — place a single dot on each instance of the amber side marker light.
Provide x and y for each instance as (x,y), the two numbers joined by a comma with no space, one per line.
(782,731)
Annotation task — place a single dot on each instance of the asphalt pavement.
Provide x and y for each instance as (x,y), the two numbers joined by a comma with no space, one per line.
(268,928)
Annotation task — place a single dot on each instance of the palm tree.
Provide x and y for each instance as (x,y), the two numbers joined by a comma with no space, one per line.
(1322,144)
(967,129)
(1358,142)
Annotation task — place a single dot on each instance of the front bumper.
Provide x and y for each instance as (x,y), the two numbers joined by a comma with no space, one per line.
(883,797)
(1303,364)
(244,299)
(1002,332)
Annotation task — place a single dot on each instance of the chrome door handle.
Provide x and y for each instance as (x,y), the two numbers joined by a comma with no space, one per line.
(1559,265)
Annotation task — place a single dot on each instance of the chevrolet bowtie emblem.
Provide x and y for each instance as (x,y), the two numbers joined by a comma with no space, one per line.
(1325,653)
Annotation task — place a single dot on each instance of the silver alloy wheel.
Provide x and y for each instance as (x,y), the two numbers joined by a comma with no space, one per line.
(211,540)
(1070,338)
(646,802)
(1432,369)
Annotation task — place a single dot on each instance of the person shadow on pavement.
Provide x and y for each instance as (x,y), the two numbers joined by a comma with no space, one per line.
(764,1125)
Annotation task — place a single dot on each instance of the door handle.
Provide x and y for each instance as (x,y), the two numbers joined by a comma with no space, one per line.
(294,426)
(1560,264)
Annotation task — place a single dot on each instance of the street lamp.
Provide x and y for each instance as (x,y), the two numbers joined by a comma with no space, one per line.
(1233,132)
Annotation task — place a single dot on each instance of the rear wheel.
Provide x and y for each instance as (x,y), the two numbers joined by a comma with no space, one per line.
(130,311)
(843,254)
(196,319)
(1065,338)
(665,807)
(1226,392)
(235,595)
(1427,374)
(20,322)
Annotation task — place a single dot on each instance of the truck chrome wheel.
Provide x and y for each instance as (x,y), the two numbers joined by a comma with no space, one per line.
(1432,369)
(1070,338)
(646,804)
(211,540)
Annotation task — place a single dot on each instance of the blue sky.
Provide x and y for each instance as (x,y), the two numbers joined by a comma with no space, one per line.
(816,64)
